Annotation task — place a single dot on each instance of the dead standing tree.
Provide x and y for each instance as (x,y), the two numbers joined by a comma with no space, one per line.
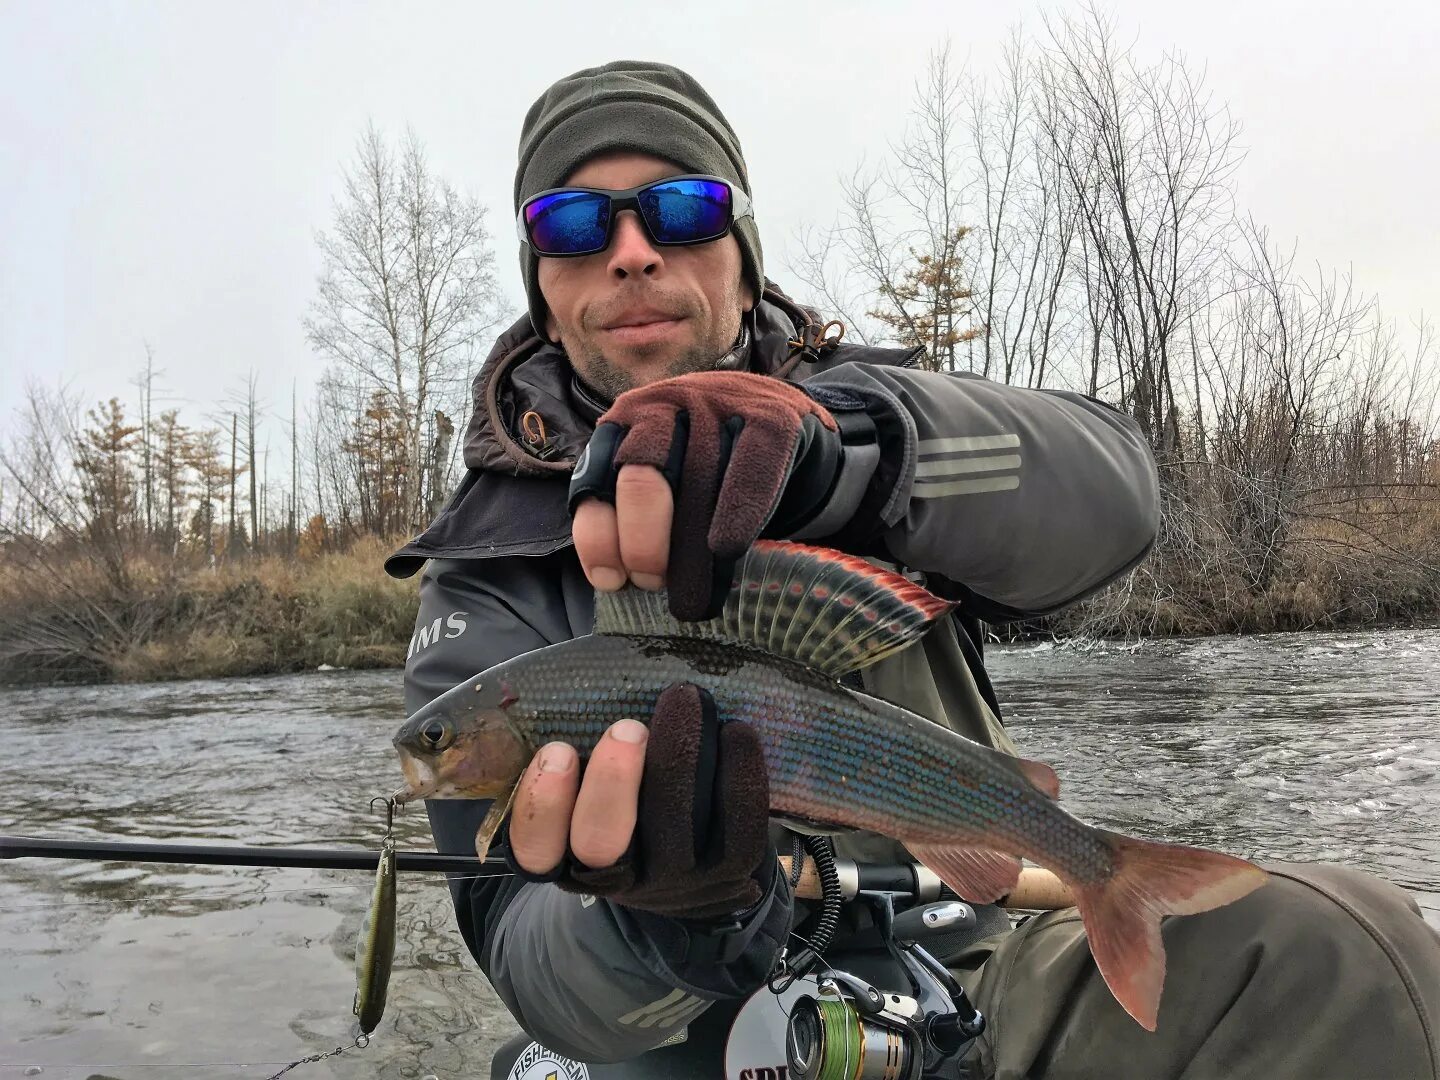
(1147,162)
(902,235)
(406,292)
(1025,228)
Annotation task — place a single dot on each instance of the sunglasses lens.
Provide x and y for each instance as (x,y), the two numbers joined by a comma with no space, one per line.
(568,222)
(684,211)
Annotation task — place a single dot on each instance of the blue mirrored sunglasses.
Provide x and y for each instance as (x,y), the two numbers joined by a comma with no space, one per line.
(679,210)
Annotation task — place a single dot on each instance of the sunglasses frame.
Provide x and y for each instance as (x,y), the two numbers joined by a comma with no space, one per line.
(629,199)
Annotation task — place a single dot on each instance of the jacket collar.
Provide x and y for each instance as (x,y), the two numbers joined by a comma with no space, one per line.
(532,416)
(532,419)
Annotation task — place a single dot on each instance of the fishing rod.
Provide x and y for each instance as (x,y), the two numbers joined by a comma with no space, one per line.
(29,847)
(1037,889)
(928,1024)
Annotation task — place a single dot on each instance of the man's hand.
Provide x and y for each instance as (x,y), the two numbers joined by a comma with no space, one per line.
(628,542)
(683,475)
(674,821)
(595,818)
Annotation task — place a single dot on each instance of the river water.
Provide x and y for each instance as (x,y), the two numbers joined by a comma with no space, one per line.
(1301,747)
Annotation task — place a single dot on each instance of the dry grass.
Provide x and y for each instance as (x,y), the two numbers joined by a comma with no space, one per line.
(71,623)
(1366,564)
(64,618)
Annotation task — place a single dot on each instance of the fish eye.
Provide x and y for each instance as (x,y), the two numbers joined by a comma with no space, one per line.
(436,735)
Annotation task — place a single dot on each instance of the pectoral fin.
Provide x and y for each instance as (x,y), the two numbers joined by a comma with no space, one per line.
(493,820)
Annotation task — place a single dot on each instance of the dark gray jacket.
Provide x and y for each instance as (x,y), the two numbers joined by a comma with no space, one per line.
(1015,502)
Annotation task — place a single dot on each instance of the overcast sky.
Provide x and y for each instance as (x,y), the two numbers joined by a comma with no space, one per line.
(164,166)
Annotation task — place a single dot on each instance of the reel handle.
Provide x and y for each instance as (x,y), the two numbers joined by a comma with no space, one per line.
(917,923)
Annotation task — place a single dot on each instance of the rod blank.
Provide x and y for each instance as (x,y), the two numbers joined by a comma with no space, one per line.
(26,847)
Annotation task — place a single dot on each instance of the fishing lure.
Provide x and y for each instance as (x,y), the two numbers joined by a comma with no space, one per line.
(375,944)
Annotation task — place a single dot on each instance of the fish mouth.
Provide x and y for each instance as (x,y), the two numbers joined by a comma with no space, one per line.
(420,781)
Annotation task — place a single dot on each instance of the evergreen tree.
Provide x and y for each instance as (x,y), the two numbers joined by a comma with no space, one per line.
(172,453)
(106,465)
(930,306)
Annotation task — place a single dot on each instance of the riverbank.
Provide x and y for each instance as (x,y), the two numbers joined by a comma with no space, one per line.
(164,620)
(76,620)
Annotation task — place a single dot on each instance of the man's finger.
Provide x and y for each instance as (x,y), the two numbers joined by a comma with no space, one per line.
(544,805)
(644,509)
(597,543)
(605,810)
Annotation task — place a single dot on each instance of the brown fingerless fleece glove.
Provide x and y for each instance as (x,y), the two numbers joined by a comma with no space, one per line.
(701,837)
(727,442)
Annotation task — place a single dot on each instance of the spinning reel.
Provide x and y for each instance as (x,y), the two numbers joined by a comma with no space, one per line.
(849,1029)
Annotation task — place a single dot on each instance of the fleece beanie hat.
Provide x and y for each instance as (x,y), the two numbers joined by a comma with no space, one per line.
(629,105)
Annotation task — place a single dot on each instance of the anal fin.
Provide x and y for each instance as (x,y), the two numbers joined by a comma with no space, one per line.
(979,875)
(485,835)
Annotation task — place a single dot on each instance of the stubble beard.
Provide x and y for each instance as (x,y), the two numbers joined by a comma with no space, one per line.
(611,379)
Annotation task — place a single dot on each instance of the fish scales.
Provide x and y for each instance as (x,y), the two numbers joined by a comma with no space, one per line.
(829,751)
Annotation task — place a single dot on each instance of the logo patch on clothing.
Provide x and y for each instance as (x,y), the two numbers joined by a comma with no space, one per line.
(538,1063)
(446,626)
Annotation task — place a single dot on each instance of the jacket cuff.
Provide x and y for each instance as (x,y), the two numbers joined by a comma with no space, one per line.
(872,487)
(716,958)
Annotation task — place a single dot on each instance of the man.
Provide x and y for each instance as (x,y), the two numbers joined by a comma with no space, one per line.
(706,410)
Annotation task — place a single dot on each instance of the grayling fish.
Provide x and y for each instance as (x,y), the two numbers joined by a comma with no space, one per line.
(796,620)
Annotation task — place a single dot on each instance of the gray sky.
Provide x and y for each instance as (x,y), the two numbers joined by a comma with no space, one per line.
(164,166)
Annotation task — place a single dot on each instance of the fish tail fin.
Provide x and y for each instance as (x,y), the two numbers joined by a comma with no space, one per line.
(1122,913)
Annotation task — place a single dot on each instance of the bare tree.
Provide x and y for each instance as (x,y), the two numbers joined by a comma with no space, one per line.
(1025,227)
(1148,163)
(818,265)
(247,410)
(406,293)
(205,459)
(292,515)
(232,538)
(145,383)
(892,267)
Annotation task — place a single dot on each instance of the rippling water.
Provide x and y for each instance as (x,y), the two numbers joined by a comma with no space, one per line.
(1303,747)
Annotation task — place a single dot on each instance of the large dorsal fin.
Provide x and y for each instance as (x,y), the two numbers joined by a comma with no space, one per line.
(829,611)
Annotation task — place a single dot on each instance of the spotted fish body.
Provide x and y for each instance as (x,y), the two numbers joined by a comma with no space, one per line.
(835,756)
(797,619)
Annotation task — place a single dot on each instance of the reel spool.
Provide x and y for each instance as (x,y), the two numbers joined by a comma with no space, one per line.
(828,1038)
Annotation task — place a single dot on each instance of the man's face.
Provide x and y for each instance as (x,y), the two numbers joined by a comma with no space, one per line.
(636,313)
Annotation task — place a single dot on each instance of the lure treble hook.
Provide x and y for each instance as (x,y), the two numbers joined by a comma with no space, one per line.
(392,807)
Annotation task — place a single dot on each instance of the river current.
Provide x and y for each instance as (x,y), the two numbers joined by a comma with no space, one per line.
(1306,747)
